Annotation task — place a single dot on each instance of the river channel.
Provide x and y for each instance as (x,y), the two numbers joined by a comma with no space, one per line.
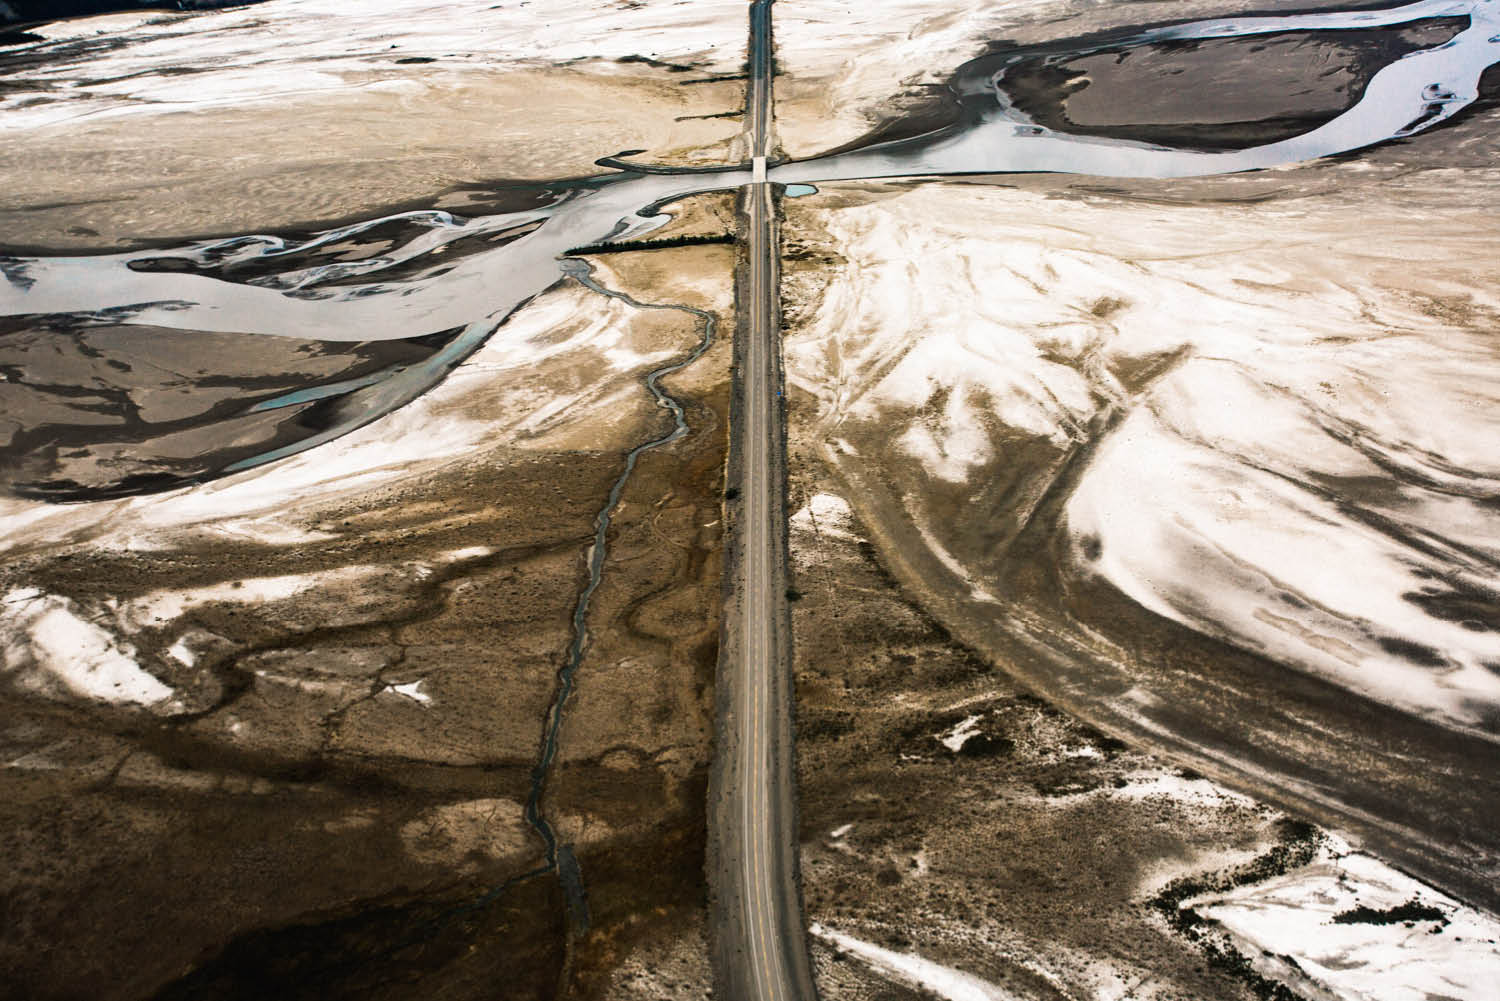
(444,284)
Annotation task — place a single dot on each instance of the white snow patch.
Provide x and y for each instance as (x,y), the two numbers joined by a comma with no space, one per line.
(826,514)
(1292,915)
(266,531)
(958,736)
(914,971)
(1148,785)
(49,645)
(315,686)
(469,553)
(413,691)
(952,458)
(182,653)
(970,700)
(165,605)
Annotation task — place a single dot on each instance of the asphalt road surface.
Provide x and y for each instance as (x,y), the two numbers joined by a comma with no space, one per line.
(760,941)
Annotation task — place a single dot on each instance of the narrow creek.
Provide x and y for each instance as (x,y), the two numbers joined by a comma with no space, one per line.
(560,857)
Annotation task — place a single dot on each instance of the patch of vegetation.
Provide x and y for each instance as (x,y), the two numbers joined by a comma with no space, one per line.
(1297,845)
(1230,960)
(830,724)
(1412,910)
(986,745)
(1110,746)
(1066,782)
(665,243)
(1107,306)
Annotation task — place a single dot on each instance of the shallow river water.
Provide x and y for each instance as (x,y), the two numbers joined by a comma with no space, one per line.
(454,280)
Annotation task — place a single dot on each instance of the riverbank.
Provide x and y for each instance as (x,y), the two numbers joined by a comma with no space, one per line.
(330,765)
(314,109)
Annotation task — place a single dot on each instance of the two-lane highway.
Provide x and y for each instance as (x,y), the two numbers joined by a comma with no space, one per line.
(761,944)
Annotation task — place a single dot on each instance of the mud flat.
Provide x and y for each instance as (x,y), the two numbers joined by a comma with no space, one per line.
(129,129)
(273,736)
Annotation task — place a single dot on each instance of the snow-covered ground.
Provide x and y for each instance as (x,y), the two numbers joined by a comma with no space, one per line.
(844,68)
(1328,929)
(1304,463)
(915,971)
(52,648)
(293,113)
(557,362)
(153,62)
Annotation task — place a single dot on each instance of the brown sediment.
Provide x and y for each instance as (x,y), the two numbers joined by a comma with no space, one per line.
(1214,94)
(112,185)
(97,410)
(303,828)
(1022,858)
